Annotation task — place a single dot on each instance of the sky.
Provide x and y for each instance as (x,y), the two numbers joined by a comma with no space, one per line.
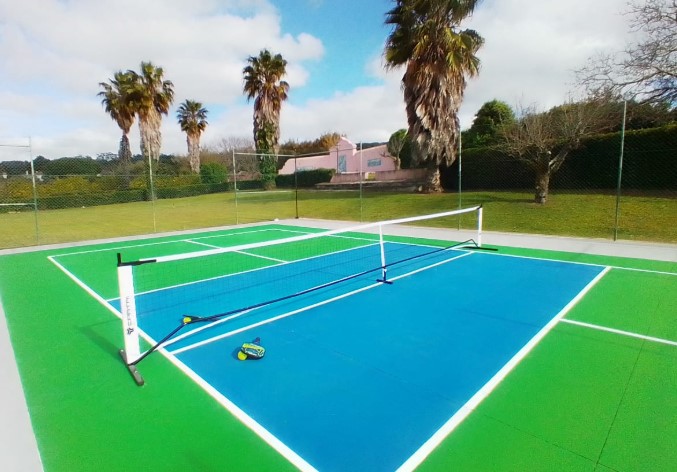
(56,52)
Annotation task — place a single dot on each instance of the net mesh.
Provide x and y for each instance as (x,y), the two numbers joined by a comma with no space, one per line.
(233,286)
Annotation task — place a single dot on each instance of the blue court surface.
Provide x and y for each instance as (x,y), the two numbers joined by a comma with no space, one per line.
(360,376)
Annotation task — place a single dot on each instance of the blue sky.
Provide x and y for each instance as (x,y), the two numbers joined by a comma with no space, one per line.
(347,47)
(56,52)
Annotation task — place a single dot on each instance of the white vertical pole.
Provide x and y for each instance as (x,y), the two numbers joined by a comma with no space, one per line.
(128,311)
(361,170)
(237,219)
(35,191)
(383,254)
(620,173)
(479,227)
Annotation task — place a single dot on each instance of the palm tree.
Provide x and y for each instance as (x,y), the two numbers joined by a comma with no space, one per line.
(115,99)
(262,81)
(438,56)
(150,97)
(193,120)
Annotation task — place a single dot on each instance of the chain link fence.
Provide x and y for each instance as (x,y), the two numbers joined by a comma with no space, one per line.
(616,186)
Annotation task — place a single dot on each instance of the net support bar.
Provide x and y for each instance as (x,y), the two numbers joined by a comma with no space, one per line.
(132,350)
(384,267)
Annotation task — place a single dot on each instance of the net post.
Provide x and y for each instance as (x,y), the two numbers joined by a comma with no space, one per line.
(131,351)
(479,226)
(384,269)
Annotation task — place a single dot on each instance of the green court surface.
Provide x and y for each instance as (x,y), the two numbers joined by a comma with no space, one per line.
(596,394)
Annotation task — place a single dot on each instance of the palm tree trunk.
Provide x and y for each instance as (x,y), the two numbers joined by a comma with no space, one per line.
(124,151)
(432,178)
(193,153)
(125,158)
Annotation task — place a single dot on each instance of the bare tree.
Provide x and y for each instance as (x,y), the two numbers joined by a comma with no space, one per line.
(543,140)
(647,70)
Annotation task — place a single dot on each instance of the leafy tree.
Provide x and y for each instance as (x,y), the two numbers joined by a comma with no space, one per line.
(438,57)
(323,144)
(213,173)
(15,167)
(39,163)
(543,140)
(487,125)
(116,100)
(72,166)
(192,117)
(647,70)
(399,146)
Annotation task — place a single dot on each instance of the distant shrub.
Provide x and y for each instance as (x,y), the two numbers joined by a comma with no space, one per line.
(305,178)
(213,173)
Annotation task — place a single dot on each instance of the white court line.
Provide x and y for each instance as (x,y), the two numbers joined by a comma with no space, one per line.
(86,288)
(261,257)
(199,243)
(235,315)
(618,331)
(284,450)
(158,243)
(419,456)
(632,269)
(263,433)
(306,308)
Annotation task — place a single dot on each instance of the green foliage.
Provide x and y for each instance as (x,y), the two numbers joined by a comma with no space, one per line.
(213,173)
(15,167)
(72,166)
(648,164)
(39,163)
(317,146)
(305,178)
(486,127)
(399,146)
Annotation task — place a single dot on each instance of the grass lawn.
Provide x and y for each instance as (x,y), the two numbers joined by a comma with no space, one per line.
(582,215)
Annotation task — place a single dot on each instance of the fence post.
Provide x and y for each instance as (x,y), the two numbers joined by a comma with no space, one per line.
(361,176)
(237,219)
(460,160)
(620,172)
(35,191)
(296,186)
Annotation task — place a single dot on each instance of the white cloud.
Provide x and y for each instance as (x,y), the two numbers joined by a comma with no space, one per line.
(532,48)
(55,53)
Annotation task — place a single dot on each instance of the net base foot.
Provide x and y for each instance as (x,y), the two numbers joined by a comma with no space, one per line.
(132,369)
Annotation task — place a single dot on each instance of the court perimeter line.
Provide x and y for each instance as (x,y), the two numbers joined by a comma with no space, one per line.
(264,434)
(239,252)
(158,243)
(85,287)
(618,331)
(306,308)
(284,450)
(659,272)
(424,451)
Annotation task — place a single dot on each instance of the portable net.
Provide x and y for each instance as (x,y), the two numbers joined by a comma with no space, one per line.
(242,284)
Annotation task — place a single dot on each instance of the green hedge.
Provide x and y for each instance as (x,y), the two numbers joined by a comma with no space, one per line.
(305,178)
(649,163)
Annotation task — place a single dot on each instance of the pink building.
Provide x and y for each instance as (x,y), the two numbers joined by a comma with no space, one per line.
(345,158)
